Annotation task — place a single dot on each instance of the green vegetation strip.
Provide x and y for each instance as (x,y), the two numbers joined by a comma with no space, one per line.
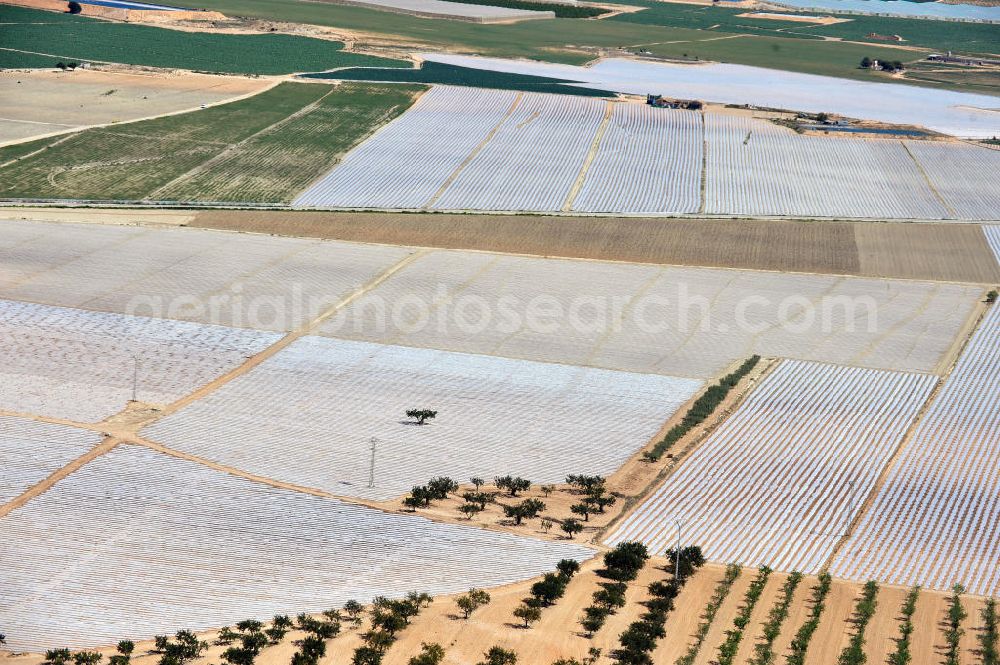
(701,409)
(864,610)
(436,72)
(804,635)
(953,625)
(264,148)
(729,646)
(989,635)
(561,11)
(763,651)
(714,603)
(903,655)
(65,37)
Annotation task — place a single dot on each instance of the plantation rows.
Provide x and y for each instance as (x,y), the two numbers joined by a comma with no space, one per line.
(647,161)
(780,481)
(993,238)
(137,543)
(30,451)
(306,416)
(936,520)
(83,365)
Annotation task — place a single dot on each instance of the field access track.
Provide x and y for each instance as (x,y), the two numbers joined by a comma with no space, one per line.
(780,481)
(137,544)
(936,519)
(306,415)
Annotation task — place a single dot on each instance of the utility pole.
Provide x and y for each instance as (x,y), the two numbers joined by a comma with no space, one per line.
(371,467)
(677,551)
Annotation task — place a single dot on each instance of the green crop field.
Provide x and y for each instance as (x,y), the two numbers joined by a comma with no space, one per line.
(436,72)
(29,32)
(264,148)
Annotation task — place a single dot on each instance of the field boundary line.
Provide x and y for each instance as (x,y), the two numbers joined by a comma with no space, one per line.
(234,147)
(903,444)
(41,487)
(588,161)
(753,381)
(66,136)
(927,179)
(286,341)
(475,151)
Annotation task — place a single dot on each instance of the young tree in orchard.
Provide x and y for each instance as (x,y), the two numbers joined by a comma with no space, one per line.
(571,527)
(499,656)
(470,510)
(421,415)
(430,654)
(472,601)
(527,509)
(512,484)
(529,614)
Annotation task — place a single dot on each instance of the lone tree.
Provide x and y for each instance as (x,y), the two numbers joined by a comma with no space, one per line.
(866,62)
(421,415)
(528,614)
(472,601)
(991,297)
(74,7)
(499,656)
(571,527)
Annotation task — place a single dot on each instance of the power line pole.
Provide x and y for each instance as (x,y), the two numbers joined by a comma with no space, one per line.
(677,552)
(371,467)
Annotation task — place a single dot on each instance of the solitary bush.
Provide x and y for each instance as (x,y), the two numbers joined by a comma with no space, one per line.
(421,415)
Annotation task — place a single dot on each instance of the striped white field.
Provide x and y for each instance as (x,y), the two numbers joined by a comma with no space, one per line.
(31,451)
(77,364)
(676,321)
(755,167)
(964,175)
(779,482)
(231,279)
(137,544)
(405,163)
(306,415)
(649,161)
(455,10)
(532,162)
(993,238)
(936,519)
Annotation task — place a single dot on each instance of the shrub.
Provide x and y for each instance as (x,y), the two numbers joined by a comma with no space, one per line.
(991,296)
(421,415)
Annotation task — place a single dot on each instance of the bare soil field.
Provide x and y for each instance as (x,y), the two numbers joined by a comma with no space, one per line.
(945,252)
(42,102)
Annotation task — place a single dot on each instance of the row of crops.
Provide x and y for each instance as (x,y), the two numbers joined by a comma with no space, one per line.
(584,155)
(136,543)
(83,365)
(936,520)
(32,450)
(494,415)
(781,480)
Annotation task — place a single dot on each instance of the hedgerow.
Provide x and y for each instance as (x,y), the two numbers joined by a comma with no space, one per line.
(714,603)
(621,565)
(546,591)
(701,409)
(864,610)
(953,631)
(803,636)
(729,646)
(561,11)
(763,651)
(988,636)
(902,655)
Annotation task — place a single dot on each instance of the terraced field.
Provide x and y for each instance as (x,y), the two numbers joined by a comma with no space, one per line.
(153,543)
(935,520)
(781,480)
(31,451)
(263,148)
(494,415)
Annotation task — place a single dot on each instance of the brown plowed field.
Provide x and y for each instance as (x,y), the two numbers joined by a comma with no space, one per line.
(944,252)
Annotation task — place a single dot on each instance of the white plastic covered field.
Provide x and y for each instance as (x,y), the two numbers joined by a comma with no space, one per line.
(30,451)
(232,279)
(137,544)
(668,320)
(936,520)
(773,485)
(755,167)
(660,151)
(80,365)
(306,415)
(964,175)
(993,238)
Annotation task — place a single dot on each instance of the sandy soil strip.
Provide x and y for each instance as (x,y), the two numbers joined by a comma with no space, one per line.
(591,154)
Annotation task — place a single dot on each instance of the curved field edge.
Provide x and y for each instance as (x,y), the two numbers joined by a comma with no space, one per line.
(263,148)
(36,38)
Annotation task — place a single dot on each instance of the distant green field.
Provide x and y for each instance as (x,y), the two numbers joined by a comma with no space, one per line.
(436,72)
(264,148)
(64,37)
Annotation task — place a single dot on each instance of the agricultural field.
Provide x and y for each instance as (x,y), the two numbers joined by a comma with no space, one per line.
(633,159)
(476,13)
(156,542)
(936,252)
(32,450)
(283,137)
(934,521)
(993,238)
(782,479)
(276,284)
(38,103)
(493,415)
(80,365)
(34,33)
(691,322)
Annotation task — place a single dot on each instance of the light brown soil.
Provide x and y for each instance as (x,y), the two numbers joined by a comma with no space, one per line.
(798,18)
(944,252)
